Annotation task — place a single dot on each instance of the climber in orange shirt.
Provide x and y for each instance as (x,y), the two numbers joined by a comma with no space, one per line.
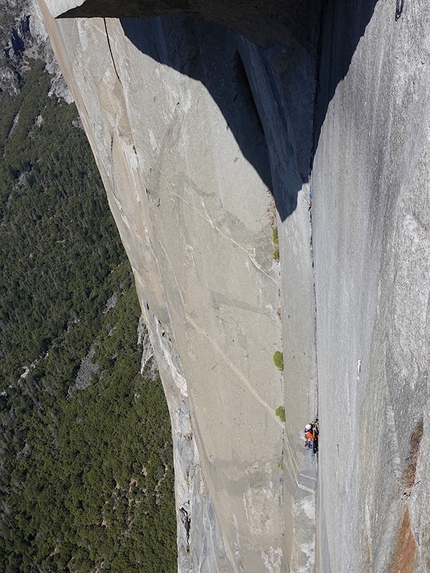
(311,435)
(310,432)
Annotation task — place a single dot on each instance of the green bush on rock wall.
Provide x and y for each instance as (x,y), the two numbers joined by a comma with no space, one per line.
(280,412)
(278,359)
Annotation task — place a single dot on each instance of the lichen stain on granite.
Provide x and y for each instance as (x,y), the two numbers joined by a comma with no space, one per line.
(406,547)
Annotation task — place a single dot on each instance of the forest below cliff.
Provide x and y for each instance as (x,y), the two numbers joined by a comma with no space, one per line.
(86,467)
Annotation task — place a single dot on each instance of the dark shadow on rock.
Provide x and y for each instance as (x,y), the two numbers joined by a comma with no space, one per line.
(343,23)
(271,107)
(264,22)
(263,80)
(208,53)
(247,84)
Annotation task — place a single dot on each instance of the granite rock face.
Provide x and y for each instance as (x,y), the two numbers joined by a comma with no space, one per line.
(212,124)
(174,110)
(371,220)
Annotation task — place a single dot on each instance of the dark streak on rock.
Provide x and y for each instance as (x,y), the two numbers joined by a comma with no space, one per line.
(110,50)
(186,521)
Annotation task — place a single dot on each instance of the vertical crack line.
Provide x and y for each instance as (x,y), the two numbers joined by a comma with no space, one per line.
(110,50)
(314,296)
(399,9)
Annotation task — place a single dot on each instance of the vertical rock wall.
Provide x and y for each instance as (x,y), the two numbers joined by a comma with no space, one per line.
(372,252)
(196,130)
(178,114)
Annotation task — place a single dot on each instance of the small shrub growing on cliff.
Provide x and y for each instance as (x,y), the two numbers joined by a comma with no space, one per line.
(276,254)
(280,412)
(278,359)
(275,237)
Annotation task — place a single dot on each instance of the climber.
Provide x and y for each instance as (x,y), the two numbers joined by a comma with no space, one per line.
(311,432)
(311,435)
